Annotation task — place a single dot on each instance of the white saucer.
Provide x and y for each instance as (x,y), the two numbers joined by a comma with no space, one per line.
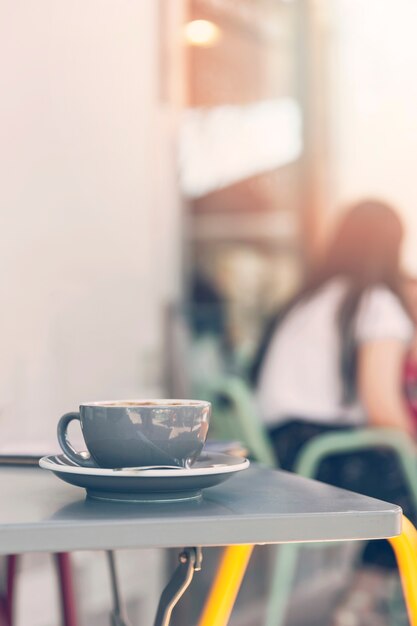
(131,485)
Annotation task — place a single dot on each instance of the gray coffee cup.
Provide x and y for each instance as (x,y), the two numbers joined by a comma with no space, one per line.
(137,433)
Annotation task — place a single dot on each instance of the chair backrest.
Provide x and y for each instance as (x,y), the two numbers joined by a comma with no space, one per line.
(321,447)
(235,417)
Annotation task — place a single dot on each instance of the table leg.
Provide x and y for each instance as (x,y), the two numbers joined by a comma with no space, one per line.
(66,588)
(226,585)
(405,548)
(118,614)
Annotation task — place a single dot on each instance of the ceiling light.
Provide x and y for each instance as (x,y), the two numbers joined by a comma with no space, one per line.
(202,33)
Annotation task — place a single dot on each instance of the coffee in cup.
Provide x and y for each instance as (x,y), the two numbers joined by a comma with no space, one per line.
(135,433)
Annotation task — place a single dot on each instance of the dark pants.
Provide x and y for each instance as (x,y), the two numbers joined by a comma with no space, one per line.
(373,472)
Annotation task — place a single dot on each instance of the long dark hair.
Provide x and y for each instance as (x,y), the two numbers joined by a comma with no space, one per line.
(365,249)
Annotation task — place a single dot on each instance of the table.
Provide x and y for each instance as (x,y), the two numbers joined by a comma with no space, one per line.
(41,513)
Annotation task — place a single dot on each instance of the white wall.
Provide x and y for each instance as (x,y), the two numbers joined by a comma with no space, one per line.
(89,212)
(374,90)
(89,235)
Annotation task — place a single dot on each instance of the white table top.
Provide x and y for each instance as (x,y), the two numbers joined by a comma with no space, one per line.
(40,513)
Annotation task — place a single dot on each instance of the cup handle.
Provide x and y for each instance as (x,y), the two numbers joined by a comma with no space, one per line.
(78,457)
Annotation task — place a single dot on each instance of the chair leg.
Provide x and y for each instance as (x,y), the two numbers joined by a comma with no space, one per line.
(405,548)
(226,585)
(66,588)
(68,604)
(12,561)
(3,615)
(7,599)
(281,583)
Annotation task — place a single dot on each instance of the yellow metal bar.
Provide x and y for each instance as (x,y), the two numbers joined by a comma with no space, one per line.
(235,559)
(405,548)
(226,585)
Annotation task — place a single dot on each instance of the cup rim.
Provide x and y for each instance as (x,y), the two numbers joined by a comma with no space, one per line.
(148,403)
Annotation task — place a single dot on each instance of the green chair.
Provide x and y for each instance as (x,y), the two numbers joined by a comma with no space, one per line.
(307,465)
(235,417)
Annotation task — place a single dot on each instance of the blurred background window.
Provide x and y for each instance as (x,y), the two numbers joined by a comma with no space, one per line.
(241,145)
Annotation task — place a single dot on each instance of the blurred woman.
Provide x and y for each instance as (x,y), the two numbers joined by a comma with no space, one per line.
(334,358)
(410,365)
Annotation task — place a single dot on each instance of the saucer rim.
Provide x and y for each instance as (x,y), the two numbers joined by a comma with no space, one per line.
(47,463)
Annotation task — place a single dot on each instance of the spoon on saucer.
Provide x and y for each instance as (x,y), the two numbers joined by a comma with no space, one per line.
(143,468)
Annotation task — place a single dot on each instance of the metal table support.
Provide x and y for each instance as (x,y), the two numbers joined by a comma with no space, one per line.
(189,562)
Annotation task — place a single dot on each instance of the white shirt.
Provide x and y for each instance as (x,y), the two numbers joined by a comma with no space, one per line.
(300,376)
